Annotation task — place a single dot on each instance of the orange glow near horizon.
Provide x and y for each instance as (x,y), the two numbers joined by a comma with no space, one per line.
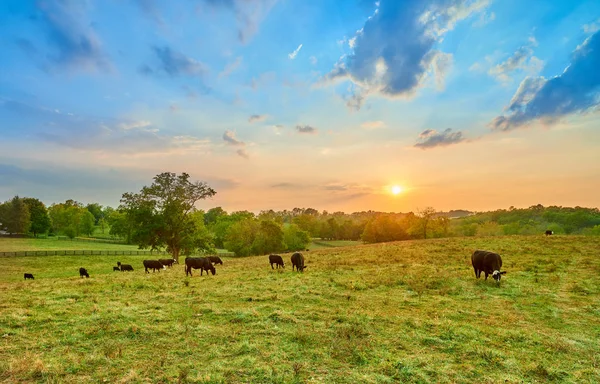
(396,189)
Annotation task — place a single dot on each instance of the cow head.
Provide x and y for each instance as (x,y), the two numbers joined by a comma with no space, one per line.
(497,275)
(212,270)
(302,268)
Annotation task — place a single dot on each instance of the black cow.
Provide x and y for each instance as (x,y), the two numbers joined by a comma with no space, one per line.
(215,260)
(28,276)
(488,263)
(116,269)
(201,263)
(549,232)
(126,267)
(277,260)
(155,265)
(298,262)
(167,262)
(83,272)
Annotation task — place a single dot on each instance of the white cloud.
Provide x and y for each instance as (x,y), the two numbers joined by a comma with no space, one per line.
(292,55)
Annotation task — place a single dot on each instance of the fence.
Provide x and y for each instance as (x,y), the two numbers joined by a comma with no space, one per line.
(93,253)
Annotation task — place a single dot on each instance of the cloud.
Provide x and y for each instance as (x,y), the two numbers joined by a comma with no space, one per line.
(277,128)
(248,13)
(231,67)
(257,118)
(522,59)
(76,46)
(373,124)
(230,139)
(174,64)
(393,54)
(313,60)
(149,9)
(592,27)
(242,153)
(306,129)
(286,185)
(91,133)
(484,19)
(335,187)
(292,55)
(431,138)
(576,90)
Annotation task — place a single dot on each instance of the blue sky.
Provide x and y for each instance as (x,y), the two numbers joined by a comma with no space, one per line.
(474,104)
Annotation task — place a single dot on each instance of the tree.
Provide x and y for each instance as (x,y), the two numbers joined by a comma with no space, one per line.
(254,237)
(38,214)
(425,216)
(162,214)
(14,216)
(96,210)
(212,215)
(295,238)
(71,219)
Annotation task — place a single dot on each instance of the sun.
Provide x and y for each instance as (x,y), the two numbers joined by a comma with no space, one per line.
(396,189)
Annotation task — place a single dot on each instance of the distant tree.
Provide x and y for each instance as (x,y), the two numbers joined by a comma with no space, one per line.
(119,225)
(162,214)
(96,210)
(254,237)
(295,239)
(38,214)
(14,216)
(86,223)
(425,215)
(212,215)
(71,219)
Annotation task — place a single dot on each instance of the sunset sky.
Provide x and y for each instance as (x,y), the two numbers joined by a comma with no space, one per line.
(326,104)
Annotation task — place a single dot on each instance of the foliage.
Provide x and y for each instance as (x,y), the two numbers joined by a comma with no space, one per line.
(96,210)
(295,238)
(14,216)
(38,215)
(162,214)
(251,236)
(71,219)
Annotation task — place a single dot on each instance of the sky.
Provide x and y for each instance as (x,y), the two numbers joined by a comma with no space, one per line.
(276,104)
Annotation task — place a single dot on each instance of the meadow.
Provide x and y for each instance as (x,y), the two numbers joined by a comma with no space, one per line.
(51,244)
(395,312)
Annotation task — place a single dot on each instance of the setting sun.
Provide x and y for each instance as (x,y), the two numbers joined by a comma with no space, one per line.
(396,189)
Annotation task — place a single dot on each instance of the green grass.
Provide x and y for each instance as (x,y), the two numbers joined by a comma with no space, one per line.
(33,244)
(325,244)
(398,312)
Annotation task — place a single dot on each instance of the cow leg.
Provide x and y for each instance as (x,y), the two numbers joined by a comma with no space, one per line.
(486,275)
(272,266)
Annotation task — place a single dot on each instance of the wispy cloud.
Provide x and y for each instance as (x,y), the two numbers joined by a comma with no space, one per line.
(231,67)
(68,30)
(306,129)
(230,139)
(257,118)
(373,124)
(592,27)
(522,60)
(242,153)
(484,19)
(574,91)
(292,55)
(313,60)
(174,64)
(430,138)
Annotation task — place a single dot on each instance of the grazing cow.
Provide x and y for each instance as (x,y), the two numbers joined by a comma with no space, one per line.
(277,260)
(116,269)
(298,262)
(167,262)
(201,263)
(126,267)
(28,276)
(155,265)
(549,232)
(488,263)
(215,260)
(83,272)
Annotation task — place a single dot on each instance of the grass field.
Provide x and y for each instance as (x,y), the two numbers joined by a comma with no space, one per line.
(33,244)
(326,244)
(398,312)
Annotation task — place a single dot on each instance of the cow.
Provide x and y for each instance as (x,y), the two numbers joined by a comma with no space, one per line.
(167,262)
(116,269)
(277,260)
(201,263)
(488,263)
(215,260)
(298,262)
(83,272)
(549,232)
(126,267)
(28,276)
(155,265)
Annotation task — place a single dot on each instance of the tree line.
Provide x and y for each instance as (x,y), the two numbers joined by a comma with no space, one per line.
(163,216)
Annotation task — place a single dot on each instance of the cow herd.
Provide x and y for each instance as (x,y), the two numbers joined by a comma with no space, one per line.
(487,262)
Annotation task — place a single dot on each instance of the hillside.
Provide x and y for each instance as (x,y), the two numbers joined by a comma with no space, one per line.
(396,312)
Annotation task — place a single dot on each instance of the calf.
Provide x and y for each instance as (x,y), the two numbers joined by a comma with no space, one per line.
(155,265)
(215,260)
(167,262)
(83,272)
(116,269)
(277,260)
(488,263)
(549,232)
(126,267)
(298,262)
(28,276)
(201,263)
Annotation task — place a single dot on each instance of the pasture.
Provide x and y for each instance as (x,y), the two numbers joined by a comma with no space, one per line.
(50,244)
(396,312)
